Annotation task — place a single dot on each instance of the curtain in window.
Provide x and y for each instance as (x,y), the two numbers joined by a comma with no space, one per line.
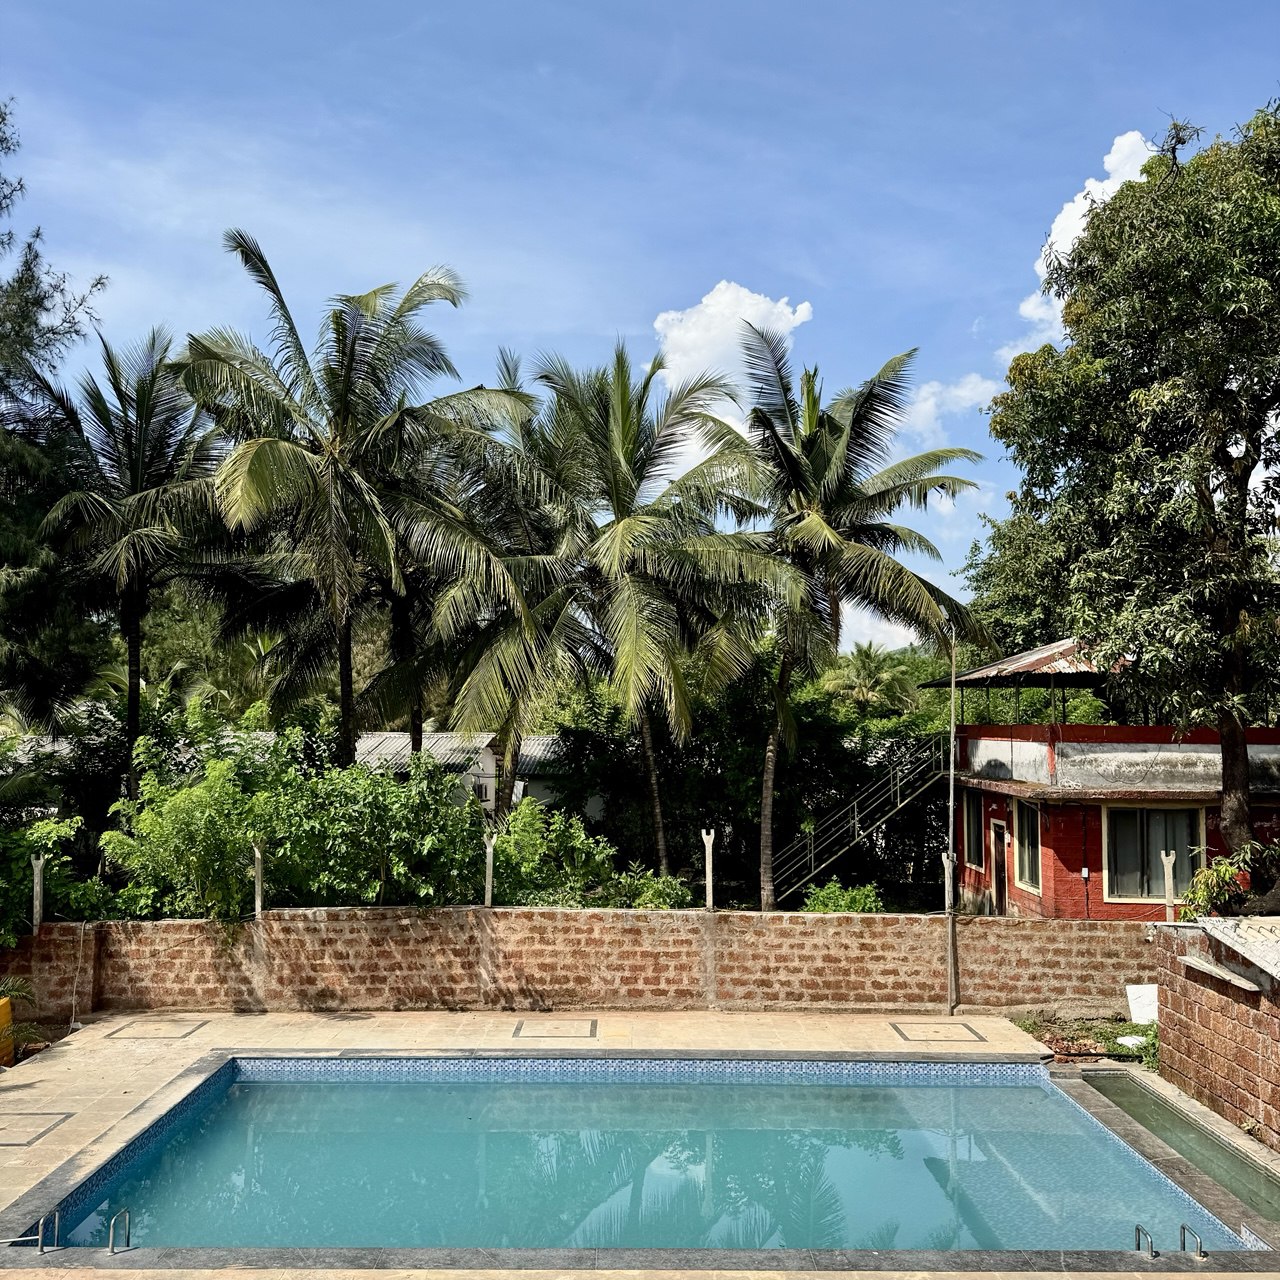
(973,850)
(1134,841)
(1028,844)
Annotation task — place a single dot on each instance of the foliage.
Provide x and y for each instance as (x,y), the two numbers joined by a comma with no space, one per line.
(1150,443)
(338,461)
(642,890)
(41,837)
(832,896)
(18,991)
(545,858)
(328,835)
(41,315)
(188,849)
(1218,887)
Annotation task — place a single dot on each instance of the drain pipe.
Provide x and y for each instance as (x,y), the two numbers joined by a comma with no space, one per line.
(953,974)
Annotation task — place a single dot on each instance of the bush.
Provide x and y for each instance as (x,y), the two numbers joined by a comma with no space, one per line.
(644,890)
(189,849)
(832,896)
(328,836)
(545,858)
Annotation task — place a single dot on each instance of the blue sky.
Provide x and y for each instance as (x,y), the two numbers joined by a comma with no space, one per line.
(890,170)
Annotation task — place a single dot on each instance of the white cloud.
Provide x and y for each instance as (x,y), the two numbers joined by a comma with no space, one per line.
(857,626)
(934,401)
(1123,163)
(709,334)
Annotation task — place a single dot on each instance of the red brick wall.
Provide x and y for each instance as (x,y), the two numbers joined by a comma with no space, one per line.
(1218,1043)
(469,958)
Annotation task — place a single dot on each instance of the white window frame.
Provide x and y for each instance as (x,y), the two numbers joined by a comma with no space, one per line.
(975,798)
(1024,885)
(1107,895)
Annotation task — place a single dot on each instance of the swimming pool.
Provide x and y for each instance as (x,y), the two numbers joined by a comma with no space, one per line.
(631,1153)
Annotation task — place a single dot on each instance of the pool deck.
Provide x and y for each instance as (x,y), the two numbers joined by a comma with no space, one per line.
(67,1109)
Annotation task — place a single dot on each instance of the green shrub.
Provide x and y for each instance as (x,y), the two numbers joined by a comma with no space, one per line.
(47,836)
(545,858)
(328,836)
(189,849)
(644,890)
(832,896)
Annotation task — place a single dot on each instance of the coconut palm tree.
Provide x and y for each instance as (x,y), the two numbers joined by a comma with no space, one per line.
(147,501)
(635,554)
(832,494)
(331,454)
(872,679)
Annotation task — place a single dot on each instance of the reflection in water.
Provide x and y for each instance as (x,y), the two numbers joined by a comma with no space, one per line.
(727,1166)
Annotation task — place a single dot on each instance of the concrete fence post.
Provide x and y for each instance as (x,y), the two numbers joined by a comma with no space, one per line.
(37,890)
(709,839)
(489,840)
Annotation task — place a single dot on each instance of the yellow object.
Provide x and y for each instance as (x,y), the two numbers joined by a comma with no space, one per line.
(6,1021)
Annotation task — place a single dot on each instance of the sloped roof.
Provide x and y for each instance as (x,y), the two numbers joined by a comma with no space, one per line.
(1059,664)
(538,755)
(453,750)
(1256,938)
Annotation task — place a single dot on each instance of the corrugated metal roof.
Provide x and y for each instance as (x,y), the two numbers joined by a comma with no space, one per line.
(1256,938)
(453,750)
(538,755)
(1061,663)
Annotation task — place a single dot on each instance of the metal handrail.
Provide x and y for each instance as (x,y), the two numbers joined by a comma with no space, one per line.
(1138,1232)
(888,786)
(1183,1232)
(111,1230)
(38,1238)
(868,811)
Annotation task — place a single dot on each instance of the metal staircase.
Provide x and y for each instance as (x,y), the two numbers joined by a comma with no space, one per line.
(911,769)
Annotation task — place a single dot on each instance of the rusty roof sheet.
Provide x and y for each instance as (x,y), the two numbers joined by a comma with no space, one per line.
(1061,663)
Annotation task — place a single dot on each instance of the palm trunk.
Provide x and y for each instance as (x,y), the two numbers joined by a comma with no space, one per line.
(403,646)
(768,902)
(131,606)
(508,763)
(346,697)
(655,794)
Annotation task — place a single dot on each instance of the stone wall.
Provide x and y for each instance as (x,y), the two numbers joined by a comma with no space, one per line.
(1219,1043)
(470,958)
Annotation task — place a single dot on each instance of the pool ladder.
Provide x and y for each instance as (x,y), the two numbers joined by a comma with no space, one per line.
(1183,1232)
(38,1238)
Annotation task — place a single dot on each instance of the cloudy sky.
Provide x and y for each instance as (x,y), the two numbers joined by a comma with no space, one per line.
(870,177)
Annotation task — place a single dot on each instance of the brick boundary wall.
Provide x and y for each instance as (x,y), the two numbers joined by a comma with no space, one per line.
(1218,1043)
(536,959)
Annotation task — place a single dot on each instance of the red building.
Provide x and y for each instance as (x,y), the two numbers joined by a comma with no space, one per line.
(1069,821)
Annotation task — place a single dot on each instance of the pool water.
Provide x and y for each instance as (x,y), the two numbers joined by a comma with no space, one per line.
(1245,1180)
(743,1163)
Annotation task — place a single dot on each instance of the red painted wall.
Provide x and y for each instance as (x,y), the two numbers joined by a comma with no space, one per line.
(1071,837)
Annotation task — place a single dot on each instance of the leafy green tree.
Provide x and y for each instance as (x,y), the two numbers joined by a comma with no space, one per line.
(147,494)
(832,494)
(1150,443)
(328,448)
(51,637)
(41,314)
